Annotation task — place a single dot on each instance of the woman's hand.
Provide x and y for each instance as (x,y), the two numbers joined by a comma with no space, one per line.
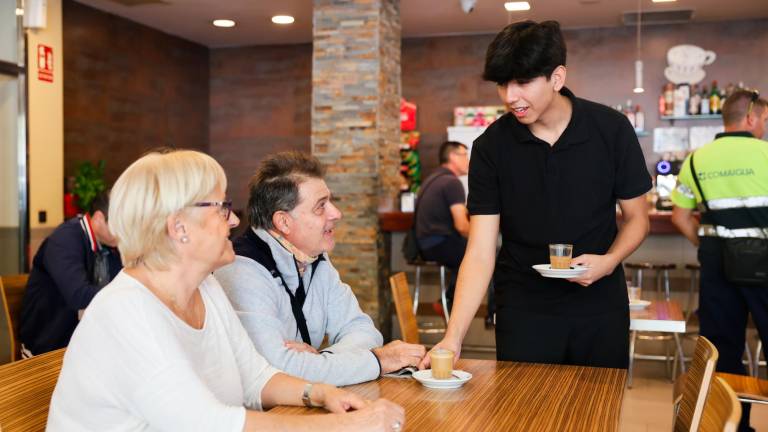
(335,399)
(379,416)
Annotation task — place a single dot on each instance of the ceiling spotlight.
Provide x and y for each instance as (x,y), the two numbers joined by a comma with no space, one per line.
(223,23)
(19,11)
(282,19)
(517,6)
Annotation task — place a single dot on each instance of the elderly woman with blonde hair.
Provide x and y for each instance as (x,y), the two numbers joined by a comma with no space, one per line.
(160,347)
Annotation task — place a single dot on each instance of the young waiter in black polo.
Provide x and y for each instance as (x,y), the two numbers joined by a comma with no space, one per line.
(550,171)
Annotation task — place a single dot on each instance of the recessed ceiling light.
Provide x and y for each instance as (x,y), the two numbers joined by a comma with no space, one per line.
(282,19)
(19,11)
(223,23)
(517,6)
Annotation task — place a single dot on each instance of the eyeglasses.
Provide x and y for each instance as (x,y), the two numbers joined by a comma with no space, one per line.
(225,210)
(755,96)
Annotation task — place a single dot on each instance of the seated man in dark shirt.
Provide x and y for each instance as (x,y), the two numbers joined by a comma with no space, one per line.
(70,267)
(442,222)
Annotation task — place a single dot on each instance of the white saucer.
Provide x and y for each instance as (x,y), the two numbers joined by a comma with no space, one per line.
(547,271)
(457,380)
(638,304)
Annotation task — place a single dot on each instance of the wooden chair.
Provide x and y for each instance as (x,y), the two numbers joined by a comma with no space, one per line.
(692,388)
(722,410)
(405,317)
(748,389)
(26,387)
(13,287)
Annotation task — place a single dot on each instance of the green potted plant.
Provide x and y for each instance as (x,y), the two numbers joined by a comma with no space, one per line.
(89,182)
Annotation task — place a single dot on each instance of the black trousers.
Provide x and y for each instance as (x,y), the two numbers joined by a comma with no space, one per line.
(534,337)
(723,312)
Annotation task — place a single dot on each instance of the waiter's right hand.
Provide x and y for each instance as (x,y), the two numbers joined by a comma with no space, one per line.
(446,343)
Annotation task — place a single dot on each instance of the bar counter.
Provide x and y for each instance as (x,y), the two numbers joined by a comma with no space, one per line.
(396,221)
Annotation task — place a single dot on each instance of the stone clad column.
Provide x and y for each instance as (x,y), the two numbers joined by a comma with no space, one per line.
(355,133)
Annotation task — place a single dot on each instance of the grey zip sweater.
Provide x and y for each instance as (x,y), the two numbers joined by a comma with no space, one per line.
(330,309)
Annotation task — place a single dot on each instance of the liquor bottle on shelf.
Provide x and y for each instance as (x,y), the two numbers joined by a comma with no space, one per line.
(694,104)
(662,103)
(669,99)
(714,99)
(682,95)
(704,101)
(723,97)
(639,119)
(629,111)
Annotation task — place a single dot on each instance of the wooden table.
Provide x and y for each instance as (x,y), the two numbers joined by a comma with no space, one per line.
(659,316)
(504,396)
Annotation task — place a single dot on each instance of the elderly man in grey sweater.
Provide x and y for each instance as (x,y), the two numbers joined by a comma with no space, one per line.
(285,290)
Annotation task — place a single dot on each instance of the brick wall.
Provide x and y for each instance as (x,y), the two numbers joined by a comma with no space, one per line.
(128,89)
(259,104)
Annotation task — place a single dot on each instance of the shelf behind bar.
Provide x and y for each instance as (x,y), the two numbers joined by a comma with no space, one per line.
(693,117)
(661,223)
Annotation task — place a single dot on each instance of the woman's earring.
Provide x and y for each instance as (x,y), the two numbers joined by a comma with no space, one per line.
(184,239)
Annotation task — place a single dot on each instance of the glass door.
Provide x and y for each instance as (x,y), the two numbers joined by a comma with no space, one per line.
(14,236)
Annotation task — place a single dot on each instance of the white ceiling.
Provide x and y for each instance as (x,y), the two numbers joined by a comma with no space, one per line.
(191,19)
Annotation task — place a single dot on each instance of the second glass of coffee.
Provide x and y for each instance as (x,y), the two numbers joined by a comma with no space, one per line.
(560,255)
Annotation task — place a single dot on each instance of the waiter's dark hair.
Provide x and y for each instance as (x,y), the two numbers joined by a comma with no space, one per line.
(275,186)
(447,148)
(523,51)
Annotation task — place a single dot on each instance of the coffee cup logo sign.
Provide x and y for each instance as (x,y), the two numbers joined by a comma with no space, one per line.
(686,64)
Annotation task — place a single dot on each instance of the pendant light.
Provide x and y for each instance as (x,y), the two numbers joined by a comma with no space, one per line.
(638,62)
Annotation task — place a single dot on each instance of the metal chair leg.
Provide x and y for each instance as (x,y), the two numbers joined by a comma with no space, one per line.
(443,294)
(679,354)
(750,363)
(758,351)
(691,290)
(416,290)
(632,338)
(667,295)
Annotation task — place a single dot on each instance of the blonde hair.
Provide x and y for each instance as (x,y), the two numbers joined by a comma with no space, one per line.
(154,187)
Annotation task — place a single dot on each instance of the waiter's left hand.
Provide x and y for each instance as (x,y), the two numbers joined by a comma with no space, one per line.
(599,266)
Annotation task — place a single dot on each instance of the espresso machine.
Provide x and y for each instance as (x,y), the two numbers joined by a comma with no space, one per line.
(666,180)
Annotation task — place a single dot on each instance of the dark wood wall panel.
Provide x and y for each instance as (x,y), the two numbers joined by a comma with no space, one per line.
(128,89)
(260,104)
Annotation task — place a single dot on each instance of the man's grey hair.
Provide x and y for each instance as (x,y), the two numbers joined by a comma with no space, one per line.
(275,186)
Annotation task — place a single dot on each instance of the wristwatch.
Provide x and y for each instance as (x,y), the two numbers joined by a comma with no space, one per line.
(305,396)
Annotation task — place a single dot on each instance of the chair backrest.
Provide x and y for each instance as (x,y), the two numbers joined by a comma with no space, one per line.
(14,286)
(7,342)
(696,386)
(405,317)
(26,387)
(722,410)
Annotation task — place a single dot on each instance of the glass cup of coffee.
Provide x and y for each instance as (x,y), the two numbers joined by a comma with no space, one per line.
(633,292)
(442,363)
(560,255)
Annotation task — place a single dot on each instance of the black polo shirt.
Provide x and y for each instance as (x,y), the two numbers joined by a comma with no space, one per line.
(564,193)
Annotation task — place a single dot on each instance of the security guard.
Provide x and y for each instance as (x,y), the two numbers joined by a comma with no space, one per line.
(732,172)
